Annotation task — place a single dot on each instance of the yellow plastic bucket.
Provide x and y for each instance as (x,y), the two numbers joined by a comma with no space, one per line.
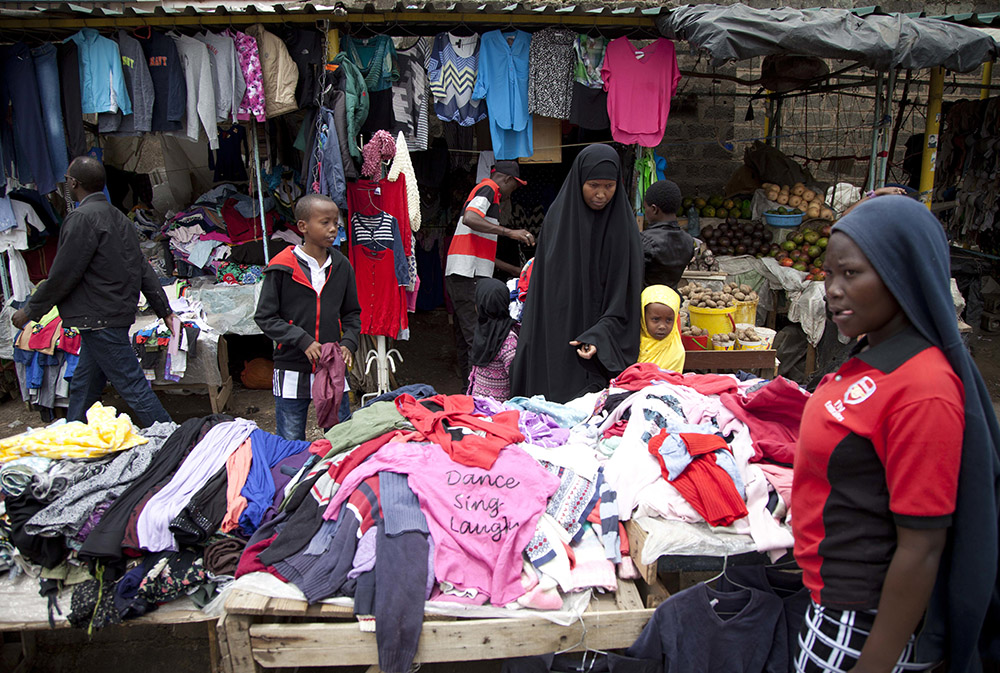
(746,311)
(714,320)
(752,345)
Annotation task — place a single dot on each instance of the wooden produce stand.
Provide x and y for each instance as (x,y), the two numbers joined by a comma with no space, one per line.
(717,362)
(258,633)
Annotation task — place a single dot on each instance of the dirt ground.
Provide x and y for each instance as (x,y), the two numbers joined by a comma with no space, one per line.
(429,357)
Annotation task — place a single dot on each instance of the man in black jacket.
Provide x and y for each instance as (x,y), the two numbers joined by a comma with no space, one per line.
(95,281)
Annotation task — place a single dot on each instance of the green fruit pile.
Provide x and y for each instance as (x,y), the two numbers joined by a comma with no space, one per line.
(718,206)
(804,250)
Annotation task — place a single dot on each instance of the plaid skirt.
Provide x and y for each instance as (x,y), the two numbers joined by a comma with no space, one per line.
(830,641)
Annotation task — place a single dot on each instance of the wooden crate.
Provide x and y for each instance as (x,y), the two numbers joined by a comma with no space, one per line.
(259,633)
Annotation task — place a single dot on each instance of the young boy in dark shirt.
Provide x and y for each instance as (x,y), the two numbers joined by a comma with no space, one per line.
(666,248)
(308,298)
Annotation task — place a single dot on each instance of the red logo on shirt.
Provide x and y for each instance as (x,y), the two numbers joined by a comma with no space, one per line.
(860,391)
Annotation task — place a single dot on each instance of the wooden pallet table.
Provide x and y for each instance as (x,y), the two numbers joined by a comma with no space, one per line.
(259,633)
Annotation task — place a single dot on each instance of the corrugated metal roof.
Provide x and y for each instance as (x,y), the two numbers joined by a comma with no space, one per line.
(238,7)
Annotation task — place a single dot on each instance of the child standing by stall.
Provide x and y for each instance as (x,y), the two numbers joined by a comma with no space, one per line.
(660,338)
(666,248)
(494,342)
(308,298)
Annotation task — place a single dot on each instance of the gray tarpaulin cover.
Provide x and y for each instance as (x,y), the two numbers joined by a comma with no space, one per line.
(737,32)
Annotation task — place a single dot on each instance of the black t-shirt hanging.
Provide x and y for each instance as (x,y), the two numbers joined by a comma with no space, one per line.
(380,116)
(589,109)
(170,91)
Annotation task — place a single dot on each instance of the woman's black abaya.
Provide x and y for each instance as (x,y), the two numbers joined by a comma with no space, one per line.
(585,287)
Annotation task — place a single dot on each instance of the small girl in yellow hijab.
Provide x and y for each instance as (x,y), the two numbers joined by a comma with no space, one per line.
(660,341)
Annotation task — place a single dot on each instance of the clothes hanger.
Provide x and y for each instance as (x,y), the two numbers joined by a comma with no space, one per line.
(462,26)
(138,32)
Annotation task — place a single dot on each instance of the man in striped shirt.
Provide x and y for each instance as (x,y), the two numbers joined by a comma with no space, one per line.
(473,250)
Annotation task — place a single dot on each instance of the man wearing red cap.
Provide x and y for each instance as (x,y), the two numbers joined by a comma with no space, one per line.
(473,250)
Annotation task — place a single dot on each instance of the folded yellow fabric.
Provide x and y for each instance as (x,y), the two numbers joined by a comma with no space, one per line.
(105,432)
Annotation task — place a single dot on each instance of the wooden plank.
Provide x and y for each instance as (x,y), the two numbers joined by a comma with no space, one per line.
(627,596)
(241,658)
(214,655)
(730,360)
(636,541)
(246,603)
(656,594)
(280,645)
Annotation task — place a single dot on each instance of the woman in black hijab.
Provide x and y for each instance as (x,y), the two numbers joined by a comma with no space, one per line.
(580,326)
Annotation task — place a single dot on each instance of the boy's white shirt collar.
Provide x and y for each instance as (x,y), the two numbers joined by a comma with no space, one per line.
(317,271)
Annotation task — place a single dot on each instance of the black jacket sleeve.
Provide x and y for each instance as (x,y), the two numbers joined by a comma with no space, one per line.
(350,314)
(77,243)
(270,322)
(153,291)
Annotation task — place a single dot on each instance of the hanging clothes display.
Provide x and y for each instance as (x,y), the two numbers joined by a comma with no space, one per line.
(232,156)
(169,86)
(551,60)
(409,94)
(305,48)
(227,76)
(589,108)
(376,59)
(101,79)
(649,74)
(67,54)
(252,103)
(279,73)
(201,92)
(349,80)
(139,86)
(451,74)
(325,174)
(379,239)
(20,86)
(502,79)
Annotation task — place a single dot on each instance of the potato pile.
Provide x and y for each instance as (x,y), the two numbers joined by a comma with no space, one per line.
(747,334)
(798,196)
(723,341)
(702,297)
(690,331)
(740,292)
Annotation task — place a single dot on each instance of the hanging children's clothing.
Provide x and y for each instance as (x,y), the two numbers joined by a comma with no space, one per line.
(325,173)
(252,103)
(551,62)
(502,79)
(230,160)
(377,254)
(649,74)
(451,73)
(169,87)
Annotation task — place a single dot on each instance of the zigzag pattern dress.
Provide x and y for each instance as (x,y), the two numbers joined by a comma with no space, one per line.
(451,74)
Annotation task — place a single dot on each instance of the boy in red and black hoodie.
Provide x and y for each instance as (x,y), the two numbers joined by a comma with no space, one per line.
(308,298)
